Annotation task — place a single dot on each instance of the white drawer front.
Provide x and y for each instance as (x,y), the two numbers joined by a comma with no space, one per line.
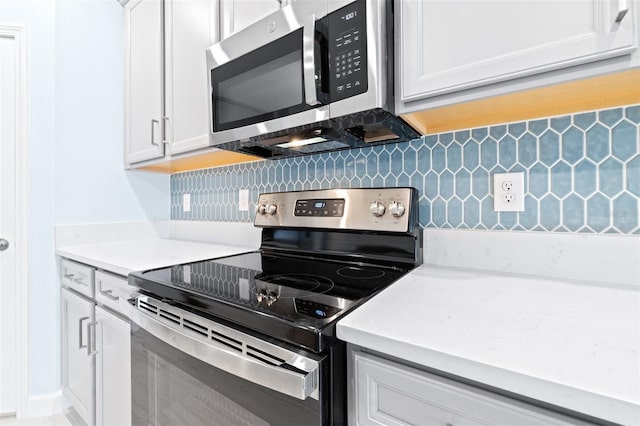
(388,393)
(112,291)
(78,277)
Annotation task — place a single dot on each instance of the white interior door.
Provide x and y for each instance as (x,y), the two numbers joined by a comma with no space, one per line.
(8,370)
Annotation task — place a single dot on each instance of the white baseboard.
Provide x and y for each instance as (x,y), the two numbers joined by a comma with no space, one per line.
(44,405)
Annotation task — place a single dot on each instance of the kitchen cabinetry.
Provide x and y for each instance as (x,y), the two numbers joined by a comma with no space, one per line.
(77,277)
(238,14)
(391,393)
(143,80)
(449,51)
(96,372)
(166,108)
(113,369)
(78,362)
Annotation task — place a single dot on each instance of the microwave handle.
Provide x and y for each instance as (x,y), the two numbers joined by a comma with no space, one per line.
(309,60)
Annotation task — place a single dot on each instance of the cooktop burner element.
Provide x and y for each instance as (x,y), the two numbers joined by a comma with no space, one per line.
(360,273)
(296,285)
(310,269)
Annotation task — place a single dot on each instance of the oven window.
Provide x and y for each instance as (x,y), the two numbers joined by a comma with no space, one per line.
(170,387)
(264,84)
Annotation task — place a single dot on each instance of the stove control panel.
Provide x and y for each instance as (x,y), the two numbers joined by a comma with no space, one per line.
(370,209)
(320,207)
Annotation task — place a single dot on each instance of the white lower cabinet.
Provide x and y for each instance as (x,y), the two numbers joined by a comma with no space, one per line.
(385,392)
(78,361)
(96,348)
(113,369)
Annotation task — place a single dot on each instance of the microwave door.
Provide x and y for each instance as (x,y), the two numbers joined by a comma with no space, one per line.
(264,78)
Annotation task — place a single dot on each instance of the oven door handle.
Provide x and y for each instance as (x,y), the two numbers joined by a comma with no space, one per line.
(290,381)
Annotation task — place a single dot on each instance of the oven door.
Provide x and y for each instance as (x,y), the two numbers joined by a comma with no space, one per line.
(271,75)
(188,370)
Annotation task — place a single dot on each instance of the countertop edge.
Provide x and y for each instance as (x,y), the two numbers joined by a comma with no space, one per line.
(599,406)
(92,261)
(106,261)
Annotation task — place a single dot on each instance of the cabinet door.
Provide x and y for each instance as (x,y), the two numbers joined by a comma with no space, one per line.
(191,27)
(78,362)
(237,14)
(388,393)
(113,370)
(448,46)
(143,80)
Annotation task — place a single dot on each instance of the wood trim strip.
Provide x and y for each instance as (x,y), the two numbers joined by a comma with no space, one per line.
(202,161)
(584,95)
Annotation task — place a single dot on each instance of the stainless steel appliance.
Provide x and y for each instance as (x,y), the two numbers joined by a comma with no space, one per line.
(315,76)
(250,338)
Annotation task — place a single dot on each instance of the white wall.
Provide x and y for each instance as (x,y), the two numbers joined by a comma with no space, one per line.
(38,18)
(91,185)
(75,85)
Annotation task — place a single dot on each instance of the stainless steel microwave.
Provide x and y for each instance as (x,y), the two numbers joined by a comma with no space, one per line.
(314,76)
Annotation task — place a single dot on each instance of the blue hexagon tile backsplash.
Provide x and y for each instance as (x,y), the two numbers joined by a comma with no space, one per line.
(582,174)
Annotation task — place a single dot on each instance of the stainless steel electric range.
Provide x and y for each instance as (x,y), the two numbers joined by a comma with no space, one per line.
(250,339)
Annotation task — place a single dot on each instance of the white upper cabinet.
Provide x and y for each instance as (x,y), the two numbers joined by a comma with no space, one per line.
(238,14)
(191,27)
(450,46)
(143,80)
(166,76)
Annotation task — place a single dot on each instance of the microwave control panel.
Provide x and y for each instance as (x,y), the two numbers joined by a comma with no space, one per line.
(348,51)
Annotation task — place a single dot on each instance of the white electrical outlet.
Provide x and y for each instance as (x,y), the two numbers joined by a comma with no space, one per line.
(508,192)
(186,202)
(243,200)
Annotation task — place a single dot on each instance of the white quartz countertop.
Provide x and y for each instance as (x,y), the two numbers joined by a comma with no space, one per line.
(123,257)
(567,343)
(570,344)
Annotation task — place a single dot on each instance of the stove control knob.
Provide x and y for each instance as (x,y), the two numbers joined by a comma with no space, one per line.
(376,208)
(271,297)
(272,209)
(262,295)
(396,209)
(261,209)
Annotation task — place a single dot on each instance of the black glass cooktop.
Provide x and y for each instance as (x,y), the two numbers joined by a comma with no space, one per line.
(295,298)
